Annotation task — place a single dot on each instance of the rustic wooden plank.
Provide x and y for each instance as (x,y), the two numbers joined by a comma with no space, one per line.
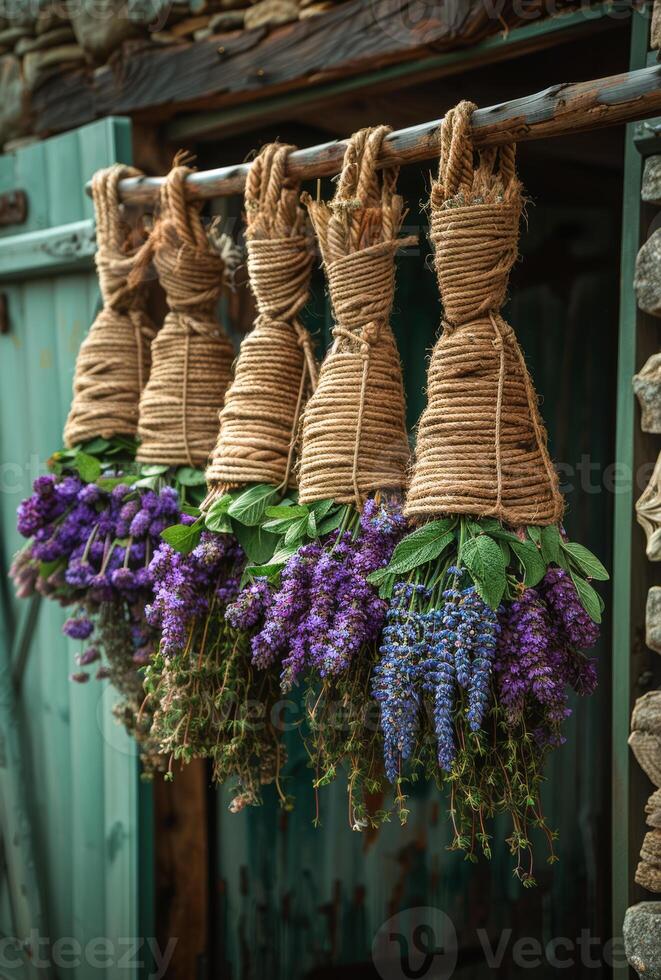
(355,37)
(560,109)
(534,37)
(182,869)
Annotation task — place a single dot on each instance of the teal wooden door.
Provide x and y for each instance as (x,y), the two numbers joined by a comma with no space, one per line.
(68,773)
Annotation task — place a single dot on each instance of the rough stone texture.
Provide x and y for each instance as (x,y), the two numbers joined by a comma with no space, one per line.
(15,101)
(50,19)
(271,12)
(101,26)
(227,20)
(648,513)
(645,738)
(314,9)
(11,35)
(49,39)
(39,66)
(189,25)
(653,809)
(642,939)
(651,188)
(647,386)
(653,619)
(647,281)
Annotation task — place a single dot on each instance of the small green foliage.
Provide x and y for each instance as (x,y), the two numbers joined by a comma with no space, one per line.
(485,561)
(183,537)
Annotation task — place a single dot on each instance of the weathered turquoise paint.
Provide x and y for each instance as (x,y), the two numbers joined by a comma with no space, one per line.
(79,766)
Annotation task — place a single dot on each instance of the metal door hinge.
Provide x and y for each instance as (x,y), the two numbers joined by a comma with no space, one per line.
(13,208)
(4,314)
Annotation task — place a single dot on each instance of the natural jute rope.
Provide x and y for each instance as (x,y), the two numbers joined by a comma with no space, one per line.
(192,357)
(481,446)
(112,366)
(276,369)
(354,429)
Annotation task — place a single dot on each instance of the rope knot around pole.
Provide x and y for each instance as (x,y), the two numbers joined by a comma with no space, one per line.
(114,359)
(192,356)
(276,369)
(481,446)
(354,430)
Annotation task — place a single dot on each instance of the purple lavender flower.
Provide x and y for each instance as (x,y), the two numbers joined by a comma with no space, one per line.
(88,656)
(185,586)
(568,615)
(123,579)
(288,608)
(250,605)
(140,523)
(78,628)
(395,681)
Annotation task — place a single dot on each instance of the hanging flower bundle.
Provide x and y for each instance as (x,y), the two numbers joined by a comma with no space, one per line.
(210,700)
(314,615)
(490,605)
(434,637)
(83,548)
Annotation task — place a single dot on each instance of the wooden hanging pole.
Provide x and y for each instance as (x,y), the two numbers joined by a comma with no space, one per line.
(557,111)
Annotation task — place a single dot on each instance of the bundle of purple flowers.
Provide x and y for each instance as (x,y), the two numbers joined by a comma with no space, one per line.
(324,611)
(90,547)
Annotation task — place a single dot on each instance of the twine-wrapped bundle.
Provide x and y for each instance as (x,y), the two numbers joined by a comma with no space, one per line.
(113,362)
(191,356)
(354,429)
(481,446)
(276,369)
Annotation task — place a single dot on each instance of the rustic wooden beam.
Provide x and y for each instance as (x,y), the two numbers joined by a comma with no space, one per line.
(230,118)
(352,38)
(558,110)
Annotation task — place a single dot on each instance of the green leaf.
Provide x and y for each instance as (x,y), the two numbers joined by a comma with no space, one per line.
(88,467)
(387,586)
(550,541)
(485,562)
(492,527)
(296,531)
(321,508)
(420,546)
(183,537)
(219,522)
(330,523)
(589,598)
(188,476)
(153,469)
(282,555)
(534,566)
(250,506)
(587,563)
(505,548)
(148,482)
(535,533)
(270,571)
(279,526)
(47,568)
(190,510)
(110,482)
(216,518)
(96,446)
(311,528)
(221,505)
(257,543)
(286,512)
